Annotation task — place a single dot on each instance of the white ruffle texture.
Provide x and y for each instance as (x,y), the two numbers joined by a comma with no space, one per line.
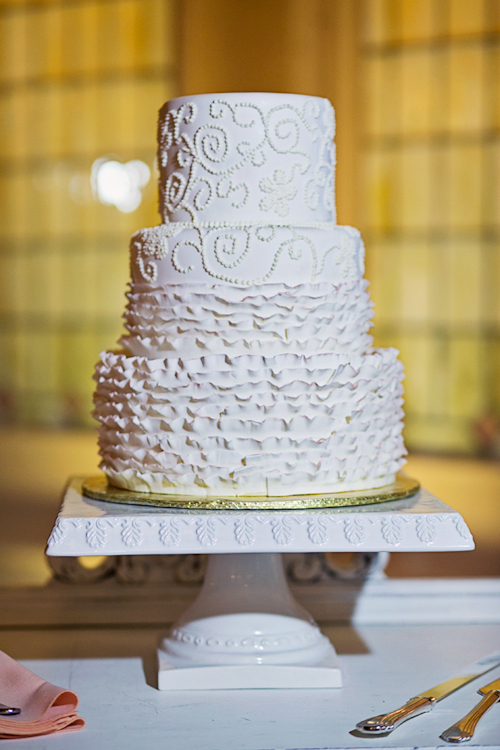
(250,424)
(247,366)
(190,320)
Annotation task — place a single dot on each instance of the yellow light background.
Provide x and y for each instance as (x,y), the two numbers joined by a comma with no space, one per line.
(430,209)
(78,81)
(416,87)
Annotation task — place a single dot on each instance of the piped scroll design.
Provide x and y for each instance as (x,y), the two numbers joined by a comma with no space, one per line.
(202,162)
(279,192)
(228,252)
(151,243)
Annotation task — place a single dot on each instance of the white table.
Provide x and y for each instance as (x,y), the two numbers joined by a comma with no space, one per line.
(382,665)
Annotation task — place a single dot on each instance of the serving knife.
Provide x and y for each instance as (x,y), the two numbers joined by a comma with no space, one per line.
(463,730)
(423,702)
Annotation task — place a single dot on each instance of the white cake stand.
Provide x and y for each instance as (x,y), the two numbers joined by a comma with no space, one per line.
(245,629)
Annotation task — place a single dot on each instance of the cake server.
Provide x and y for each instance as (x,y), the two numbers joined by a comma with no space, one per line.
(463,730)
(423,702)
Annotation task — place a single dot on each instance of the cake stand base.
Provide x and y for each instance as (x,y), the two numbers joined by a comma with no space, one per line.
(245,630)
(326,675)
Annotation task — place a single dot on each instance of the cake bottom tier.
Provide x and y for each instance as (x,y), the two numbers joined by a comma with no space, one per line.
(250,425)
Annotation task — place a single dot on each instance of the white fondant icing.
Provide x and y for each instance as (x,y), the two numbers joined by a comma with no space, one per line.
(189,320)
(246,255)
(215,424)
(254,157)
(247,367)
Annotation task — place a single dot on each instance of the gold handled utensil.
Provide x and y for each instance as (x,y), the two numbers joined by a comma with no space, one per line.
(463,730)
(423,702)
(9,710)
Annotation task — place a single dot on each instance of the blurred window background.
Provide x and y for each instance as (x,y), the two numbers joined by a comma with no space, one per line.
(416,89)
(431,210)
(80,81)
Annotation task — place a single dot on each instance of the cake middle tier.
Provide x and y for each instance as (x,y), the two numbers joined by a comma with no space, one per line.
(193,320)
(245,254)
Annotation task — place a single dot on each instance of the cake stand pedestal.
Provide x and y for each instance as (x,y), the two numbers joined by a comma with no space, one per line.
(245,629)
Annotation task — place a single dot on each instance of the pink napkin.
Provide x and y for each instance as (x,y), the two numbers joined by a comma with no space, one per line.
(45,708)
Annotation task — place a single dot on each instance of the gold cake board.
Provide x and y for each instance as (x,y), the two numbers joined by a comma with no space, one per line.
(98,488)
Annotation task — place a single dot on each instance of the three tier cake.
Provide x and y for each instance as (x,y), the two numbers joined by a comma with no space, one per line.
(248,368)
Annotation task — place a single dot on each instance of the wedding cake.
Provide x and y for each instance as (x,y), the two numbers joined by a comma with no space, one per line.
(247,367)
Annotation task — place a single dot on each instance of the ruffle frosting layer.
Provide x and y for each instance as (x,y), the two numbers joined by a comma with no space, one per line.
(250,424)
(189,320)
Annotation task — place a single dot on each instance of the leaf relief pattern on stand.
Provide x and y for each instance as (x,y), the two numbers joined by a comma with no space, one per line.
(282,530)
(131,533)
(170,531)
(244,531)
(96,533)
(426,529)
(462,527)
(57,535)
(316,530)
(392,529)
(206,531)
(354,530)
(202,152)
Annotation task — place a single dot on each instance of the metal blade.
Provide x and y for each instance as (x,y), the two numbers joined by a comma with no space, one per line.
(468,674)
(495,685)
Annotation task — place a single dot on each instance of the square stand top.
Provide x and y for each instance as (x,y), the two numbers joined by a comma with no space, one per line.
(421,523)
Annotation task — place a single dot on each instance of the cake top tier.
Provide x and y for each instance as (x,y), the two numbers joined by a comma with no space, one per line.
(247,158)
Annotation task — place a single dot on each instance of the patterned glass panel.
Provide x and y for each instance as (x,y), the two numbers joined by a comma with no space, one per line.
(79,80)
(432,208)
